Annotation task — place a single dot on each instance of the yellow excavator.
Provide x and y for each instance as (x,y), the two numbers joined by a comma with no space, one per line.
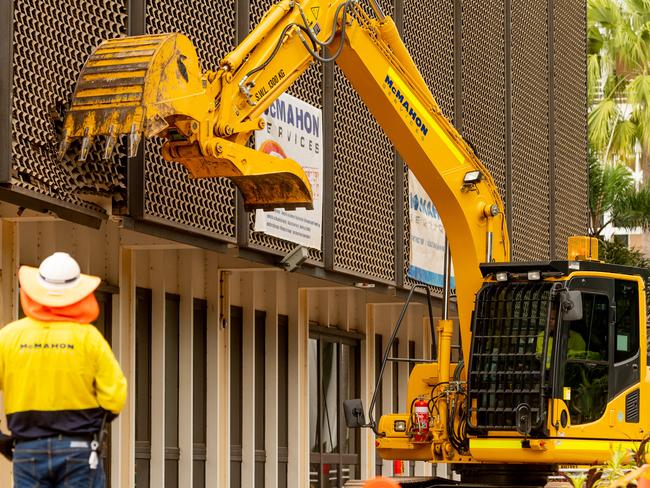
(554,364)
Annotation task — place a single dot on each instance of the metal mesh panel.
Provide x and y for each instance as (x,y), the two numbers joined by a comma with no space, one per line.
(364,220)
(570,122)
(506,368)
(433,53)
(433,49)
(204,204)
(52,39)
(309,88)
(483,54)
(530,157)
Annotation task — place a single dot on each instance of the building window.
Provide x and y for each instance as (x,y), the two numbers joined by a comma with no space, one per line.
(334,366)
(379,353)
(142,387)
(199,372)
(260,400)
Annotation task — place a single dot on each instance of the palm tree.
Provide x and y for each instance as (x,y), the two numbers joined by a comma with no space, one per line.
(619,78)
(614,198)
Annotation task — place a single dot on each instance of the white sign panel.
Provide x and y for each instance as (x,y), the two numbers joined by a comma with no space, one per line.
(294,130)
(427,259)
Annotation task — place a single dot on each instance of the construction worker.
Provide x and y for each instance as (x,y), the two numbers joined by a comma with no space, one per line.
(60,379)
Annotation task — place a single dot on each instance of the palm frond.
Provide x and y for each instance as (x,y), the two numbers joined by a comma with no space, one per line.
(601,121)
(605,13)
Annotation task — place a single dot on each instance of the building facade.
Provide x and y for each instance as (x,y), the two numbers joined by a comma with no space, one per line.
(237,369)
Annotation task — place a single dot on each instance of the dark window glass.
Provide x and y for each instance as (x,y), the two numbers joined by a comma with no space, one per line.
(260,403)
(142,387)
(236,404)
(395,379)
(283,399)
(199,354)
(172,328)
(586,370)
(379,353)
(334,366)
(626,336)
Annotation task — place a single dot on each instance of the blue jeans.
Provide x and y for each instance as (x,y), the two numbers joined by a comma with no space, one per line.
(55,462)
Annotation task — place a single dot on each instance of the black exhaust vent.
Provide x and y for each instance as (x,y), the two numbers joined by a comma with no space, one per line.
(632,407)
(507,366)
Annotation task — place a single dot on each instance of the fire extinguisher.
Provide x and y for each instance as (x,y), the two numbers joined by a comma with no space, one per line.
(421,420)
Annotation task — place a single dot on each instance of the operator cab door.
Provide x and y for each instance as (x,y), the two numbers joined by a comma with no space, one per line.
(598,355)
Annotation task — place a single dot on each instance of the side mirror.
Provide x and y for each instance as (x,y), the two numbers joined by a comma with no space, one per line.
(571,304)
(353,410)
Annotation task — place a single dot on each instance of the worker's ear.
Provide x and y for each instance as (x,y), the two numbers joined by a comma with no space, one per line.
(571,305)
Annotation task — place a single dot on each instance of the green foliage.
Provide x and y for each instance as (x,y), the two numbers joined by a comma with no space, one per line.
(614,252)
(612,193)
(618,77)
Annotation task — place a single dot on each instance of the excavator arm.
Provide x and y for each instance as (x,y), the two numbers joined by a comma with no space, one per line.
(154,85)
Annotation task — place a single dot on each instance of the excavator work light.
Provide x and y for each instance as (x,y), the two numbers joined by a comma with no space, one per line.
(502,276)
(534,275)
(400,426)
(472,177)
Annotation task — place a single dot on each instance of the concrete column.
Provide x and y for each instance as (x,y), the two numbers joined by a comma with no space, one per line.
(367,388)
(298,465)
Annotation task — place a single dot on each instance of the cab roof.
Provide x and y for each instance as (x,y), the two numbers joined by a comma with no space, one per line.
(563,268)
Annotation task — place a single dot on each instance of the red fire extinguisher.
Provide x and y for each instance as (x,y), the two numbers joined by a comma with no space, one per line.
(421,420)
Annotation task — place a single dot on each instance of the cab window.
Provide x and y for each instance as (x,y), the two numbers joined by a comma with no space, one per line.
(586,369)
(626,337)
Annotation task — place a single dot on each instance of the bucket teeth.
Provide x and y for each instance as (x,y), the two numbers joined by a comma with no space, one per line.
(110,144)
(63,146)
(85,145)
(134,141)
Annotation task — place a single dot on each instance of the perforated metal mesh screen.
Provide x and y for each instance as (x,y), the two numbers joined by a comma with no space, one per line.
(51,41)
(570,122)
(433,53)
(364,223)
(483,73)
(207,204)
(309,88)
(530,155)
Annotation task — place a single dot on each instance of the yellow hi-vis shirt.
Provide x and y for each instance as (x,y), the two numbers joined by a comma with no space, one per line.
(58,378)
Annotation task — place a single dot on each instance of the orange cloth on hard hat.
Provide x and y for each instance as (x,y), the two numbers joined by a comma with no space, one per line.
(84,311)
(381,483)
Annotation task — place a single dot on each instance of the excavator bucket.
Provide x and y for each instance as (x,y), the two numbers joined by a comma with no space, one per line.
(133,85)
(153,85)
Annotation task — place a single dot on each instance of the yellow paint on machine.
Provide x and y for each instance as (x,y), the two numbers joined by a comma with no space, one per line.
(552,451)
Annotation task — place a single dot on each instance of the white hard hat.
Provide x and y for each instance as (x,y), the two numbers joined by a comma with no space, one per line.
(57,282)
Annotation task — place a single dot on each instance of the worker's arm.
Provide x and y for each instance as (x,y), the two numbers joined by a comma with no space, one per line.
(110,383)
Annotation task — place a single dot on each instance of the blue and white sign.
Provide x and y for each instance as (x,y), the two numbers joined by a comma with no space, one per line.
(294,130)
(427,258)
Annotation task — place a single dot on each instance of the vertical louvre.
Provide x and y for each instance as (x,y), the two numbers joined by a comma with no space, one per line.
(505,367)
(632,406)
(205,205)
(530,126)
(569,77)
